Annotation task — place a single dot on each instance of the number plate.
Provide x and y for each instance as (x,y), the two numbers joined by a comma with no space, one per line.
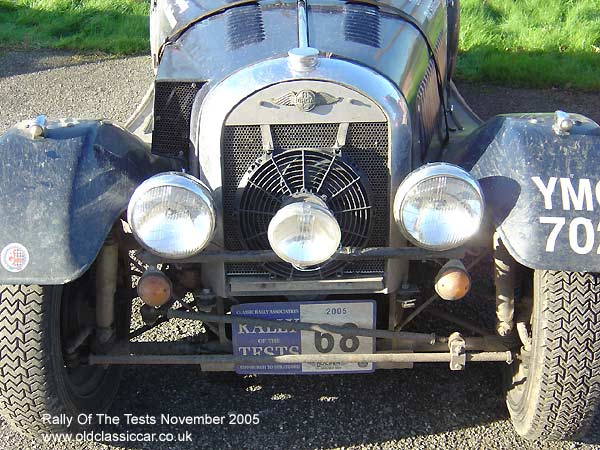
(250,340)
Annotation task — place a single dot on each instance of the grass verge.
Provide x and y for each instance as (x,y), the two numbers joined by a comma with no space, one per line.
(111,26)
(529,43)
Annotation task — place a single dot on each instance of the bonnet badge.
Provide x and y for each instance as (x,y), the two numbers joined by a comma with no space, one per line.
(306,100)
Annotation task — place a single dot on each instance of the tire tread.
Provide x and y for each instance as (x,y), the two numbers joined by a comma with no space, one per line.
(27,387)
(570,373)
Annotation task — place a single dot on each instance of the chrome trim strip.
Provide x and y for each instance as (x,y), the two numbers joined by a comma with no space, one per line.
(247,286)
(222,98)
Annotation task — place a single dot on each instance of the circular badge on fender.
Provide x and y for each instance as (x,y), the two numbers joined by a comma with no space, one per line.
(14,257)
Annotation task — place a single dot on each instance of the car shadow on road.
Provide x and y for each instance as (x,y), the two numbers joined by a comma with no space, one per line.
(21,62)
(312,411)
(304,412)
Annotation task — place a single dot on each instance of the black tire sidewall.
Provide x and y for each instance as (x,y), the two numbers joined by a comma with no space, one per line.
(523,403)
(561,392)
(74,404)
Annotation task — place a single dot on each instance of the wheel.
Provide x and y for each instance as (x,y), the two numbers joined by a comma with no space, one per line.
(38,379)
(554,387)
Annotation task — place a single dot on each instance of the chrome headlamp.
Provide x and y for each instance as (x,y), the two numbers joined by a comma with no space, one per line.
(304,233)
(439,206)
(172,215)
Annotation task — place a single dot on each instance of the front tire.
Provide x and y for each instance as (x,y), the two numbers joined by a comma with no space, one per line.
(36,384)
(554,387)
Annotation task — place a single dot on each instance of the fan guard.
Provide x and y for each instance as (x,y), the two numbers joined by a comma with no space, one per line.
(275,177)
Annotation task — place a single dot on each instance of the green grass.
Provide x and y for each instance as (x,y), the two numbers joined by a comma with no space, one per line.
(111,26)
(533,43)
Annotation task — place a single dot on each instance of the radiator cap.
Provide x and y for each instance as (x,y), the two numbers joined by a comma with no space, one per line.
(303,59)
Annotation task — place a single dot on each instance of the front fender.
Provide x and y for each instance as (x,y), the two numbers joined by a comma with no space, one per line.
(61,194)
(542,189)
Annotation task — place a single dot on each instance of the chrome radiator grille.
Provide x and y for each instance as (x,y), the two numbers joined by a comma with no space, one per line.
(366,145)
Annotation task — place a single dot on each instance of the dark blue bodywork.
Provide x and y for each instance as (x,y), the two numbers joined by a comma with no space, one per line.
(61,194)
(542,189)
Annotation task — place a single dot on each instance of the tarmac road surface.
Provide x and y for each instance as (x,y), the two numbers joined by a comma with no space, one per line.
(427,407)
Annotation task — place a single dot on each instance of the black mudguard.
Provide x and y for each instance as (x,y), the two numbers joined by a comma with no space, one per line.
(61,194)
(542,189)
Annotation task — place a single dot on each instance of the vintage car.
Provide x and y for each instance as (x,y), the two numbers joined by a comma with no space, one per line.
(304,179)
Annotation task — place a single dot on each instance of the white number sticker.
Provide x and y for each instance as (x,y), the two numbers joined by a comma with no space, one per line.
(581,234)
(575,234)
(559,223)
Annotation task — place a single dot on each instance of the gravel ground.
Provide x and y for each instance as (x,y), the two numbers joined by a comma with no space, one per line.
(60,84)
(428,407)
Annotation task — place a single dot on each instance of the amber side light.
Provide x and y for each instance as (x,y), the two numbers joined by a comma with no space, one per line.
(154,288)
(452,281)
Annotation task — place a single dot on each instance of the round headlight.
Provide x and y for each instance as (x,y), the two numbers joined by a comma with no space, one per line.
(439,206)
(172,215)
(304,233)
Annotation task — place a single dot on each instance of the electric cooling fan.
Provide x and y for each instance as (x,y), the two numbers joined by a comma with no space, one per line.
(275,177)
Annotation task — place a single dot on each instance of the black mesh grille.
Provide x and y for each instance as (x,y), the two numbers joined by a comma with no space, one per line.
(366,146)
(172,113)
(375,267)
(311,135)
(242,145)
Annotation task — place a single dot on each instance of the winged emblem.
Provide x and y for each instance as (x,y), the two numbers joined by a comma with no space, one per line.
(305,100)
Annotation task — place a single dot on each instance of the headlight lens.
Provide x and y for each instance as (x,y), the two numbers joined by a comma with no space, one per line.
(172,215)
(304,234)
(439,206)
